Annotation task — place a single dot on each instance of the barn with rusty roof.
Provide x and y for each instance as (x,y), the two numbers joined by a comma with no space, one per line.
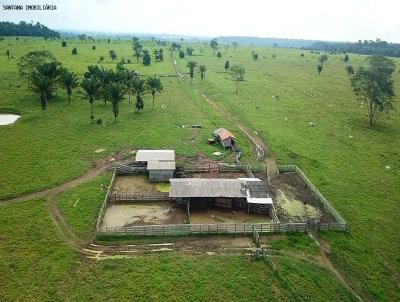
(225,137)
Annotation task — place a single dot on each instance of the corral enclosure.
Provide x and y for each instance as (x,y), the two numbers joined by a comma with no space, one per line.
(135,202)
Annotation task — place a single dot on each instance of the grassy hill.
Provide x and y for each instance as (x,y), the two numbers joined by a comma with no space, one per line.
(40,152)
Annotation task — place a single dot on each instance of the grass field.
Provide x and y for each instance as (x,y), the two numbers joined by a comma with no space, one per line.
(40,152)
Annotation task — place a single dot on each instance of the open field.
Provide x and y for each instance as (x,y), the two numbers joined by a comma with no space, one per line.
(37,263)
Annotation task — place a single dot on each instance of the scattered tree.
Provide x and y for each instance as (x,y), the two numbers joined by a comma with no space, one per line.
(140,87)
(346,58)
(113,54)
(219,54)
(189,51)
(237,73)
(319,68)
(116,92)
(94,47)
(64,43)
(8,54)
(146,58)
(191,65)
(91,90)
(255,56)
(70,81)
(137,50)
(373,86)
(226,66)
(181,54)
(350,70)
(322,59)
(74,51)
(202,70)
(155,85)
(101,59)
(214,45)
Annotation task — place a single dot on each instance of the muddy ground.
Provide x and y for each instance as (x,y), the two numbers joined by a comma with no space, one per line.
(143,213)
(221,215)
(292,185)
(134,183)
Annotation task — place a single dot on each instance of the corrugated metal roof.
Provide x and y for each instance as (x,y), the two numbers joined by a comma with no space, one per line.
(205,187)
(161,165)
(223,133)
(155,155)
(259,200)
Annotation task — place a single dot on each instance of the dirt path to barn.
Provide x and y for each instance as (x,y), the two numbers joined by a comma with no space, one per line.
(261,150)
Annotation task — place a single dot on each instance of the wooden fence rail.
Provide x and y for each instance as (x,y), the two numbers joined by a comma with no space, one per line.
(317,194)
(188,229)
(136,196)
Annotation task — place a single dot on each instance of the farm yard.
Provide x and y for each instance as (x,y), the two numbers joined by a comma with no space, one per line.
(52,182)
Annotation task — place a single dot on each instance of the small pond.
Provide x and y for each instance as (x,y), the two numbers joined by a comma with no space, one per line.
(8,118)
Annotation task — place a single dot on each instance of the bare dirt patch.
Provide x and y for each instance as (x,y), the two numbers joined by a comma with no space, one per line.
(133,183)
(216,216)
(145,213)
(290,187)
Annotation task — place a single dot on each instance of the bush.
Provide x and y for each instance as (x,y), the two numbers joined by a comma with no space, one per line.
(94,47)
(64,44)
(74,51)
(181,54)
(219,54)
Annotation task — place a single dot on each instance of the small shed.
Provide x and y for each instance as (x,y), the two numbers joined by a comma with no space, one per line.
(159,163)
(225,137)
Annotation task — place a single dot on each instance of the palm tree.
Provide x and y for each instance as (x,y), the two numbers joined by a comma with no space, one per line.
(140,88)
(116,92)
(70,81)
(128,76)
(91,90)
(44,86)
(191,65)
(237,73)
(155,85)
(202,69)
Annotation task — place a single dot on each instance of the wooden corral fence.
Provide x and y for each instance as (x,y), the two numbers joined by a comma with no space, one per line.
(136,196)
(256,237)
(340,221)
(103,207)
(221,167)
(190,229)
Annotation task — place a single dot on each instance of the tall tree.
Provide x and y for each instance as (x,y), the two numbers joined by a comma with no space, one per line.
(44,86)
(155,85)
(91,90)
(373,86)
(322,59)
(202,69)
(226,66)
(214,45)
(140,87)
(113,54)
(237,73)
(350,70)
(146,58)
(128,76)
(116,92)
(137,50)
(191,65)
(70,81)
(319,68)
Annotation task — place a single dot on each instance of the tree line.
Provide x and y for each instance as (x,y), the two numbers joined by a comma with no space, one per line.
(366,47)
(45,74)
(27,29)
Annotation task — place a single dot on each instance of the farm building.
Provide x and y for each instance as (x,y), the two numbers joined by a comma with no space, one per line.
(248,193)
(225,137)
(159,163)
